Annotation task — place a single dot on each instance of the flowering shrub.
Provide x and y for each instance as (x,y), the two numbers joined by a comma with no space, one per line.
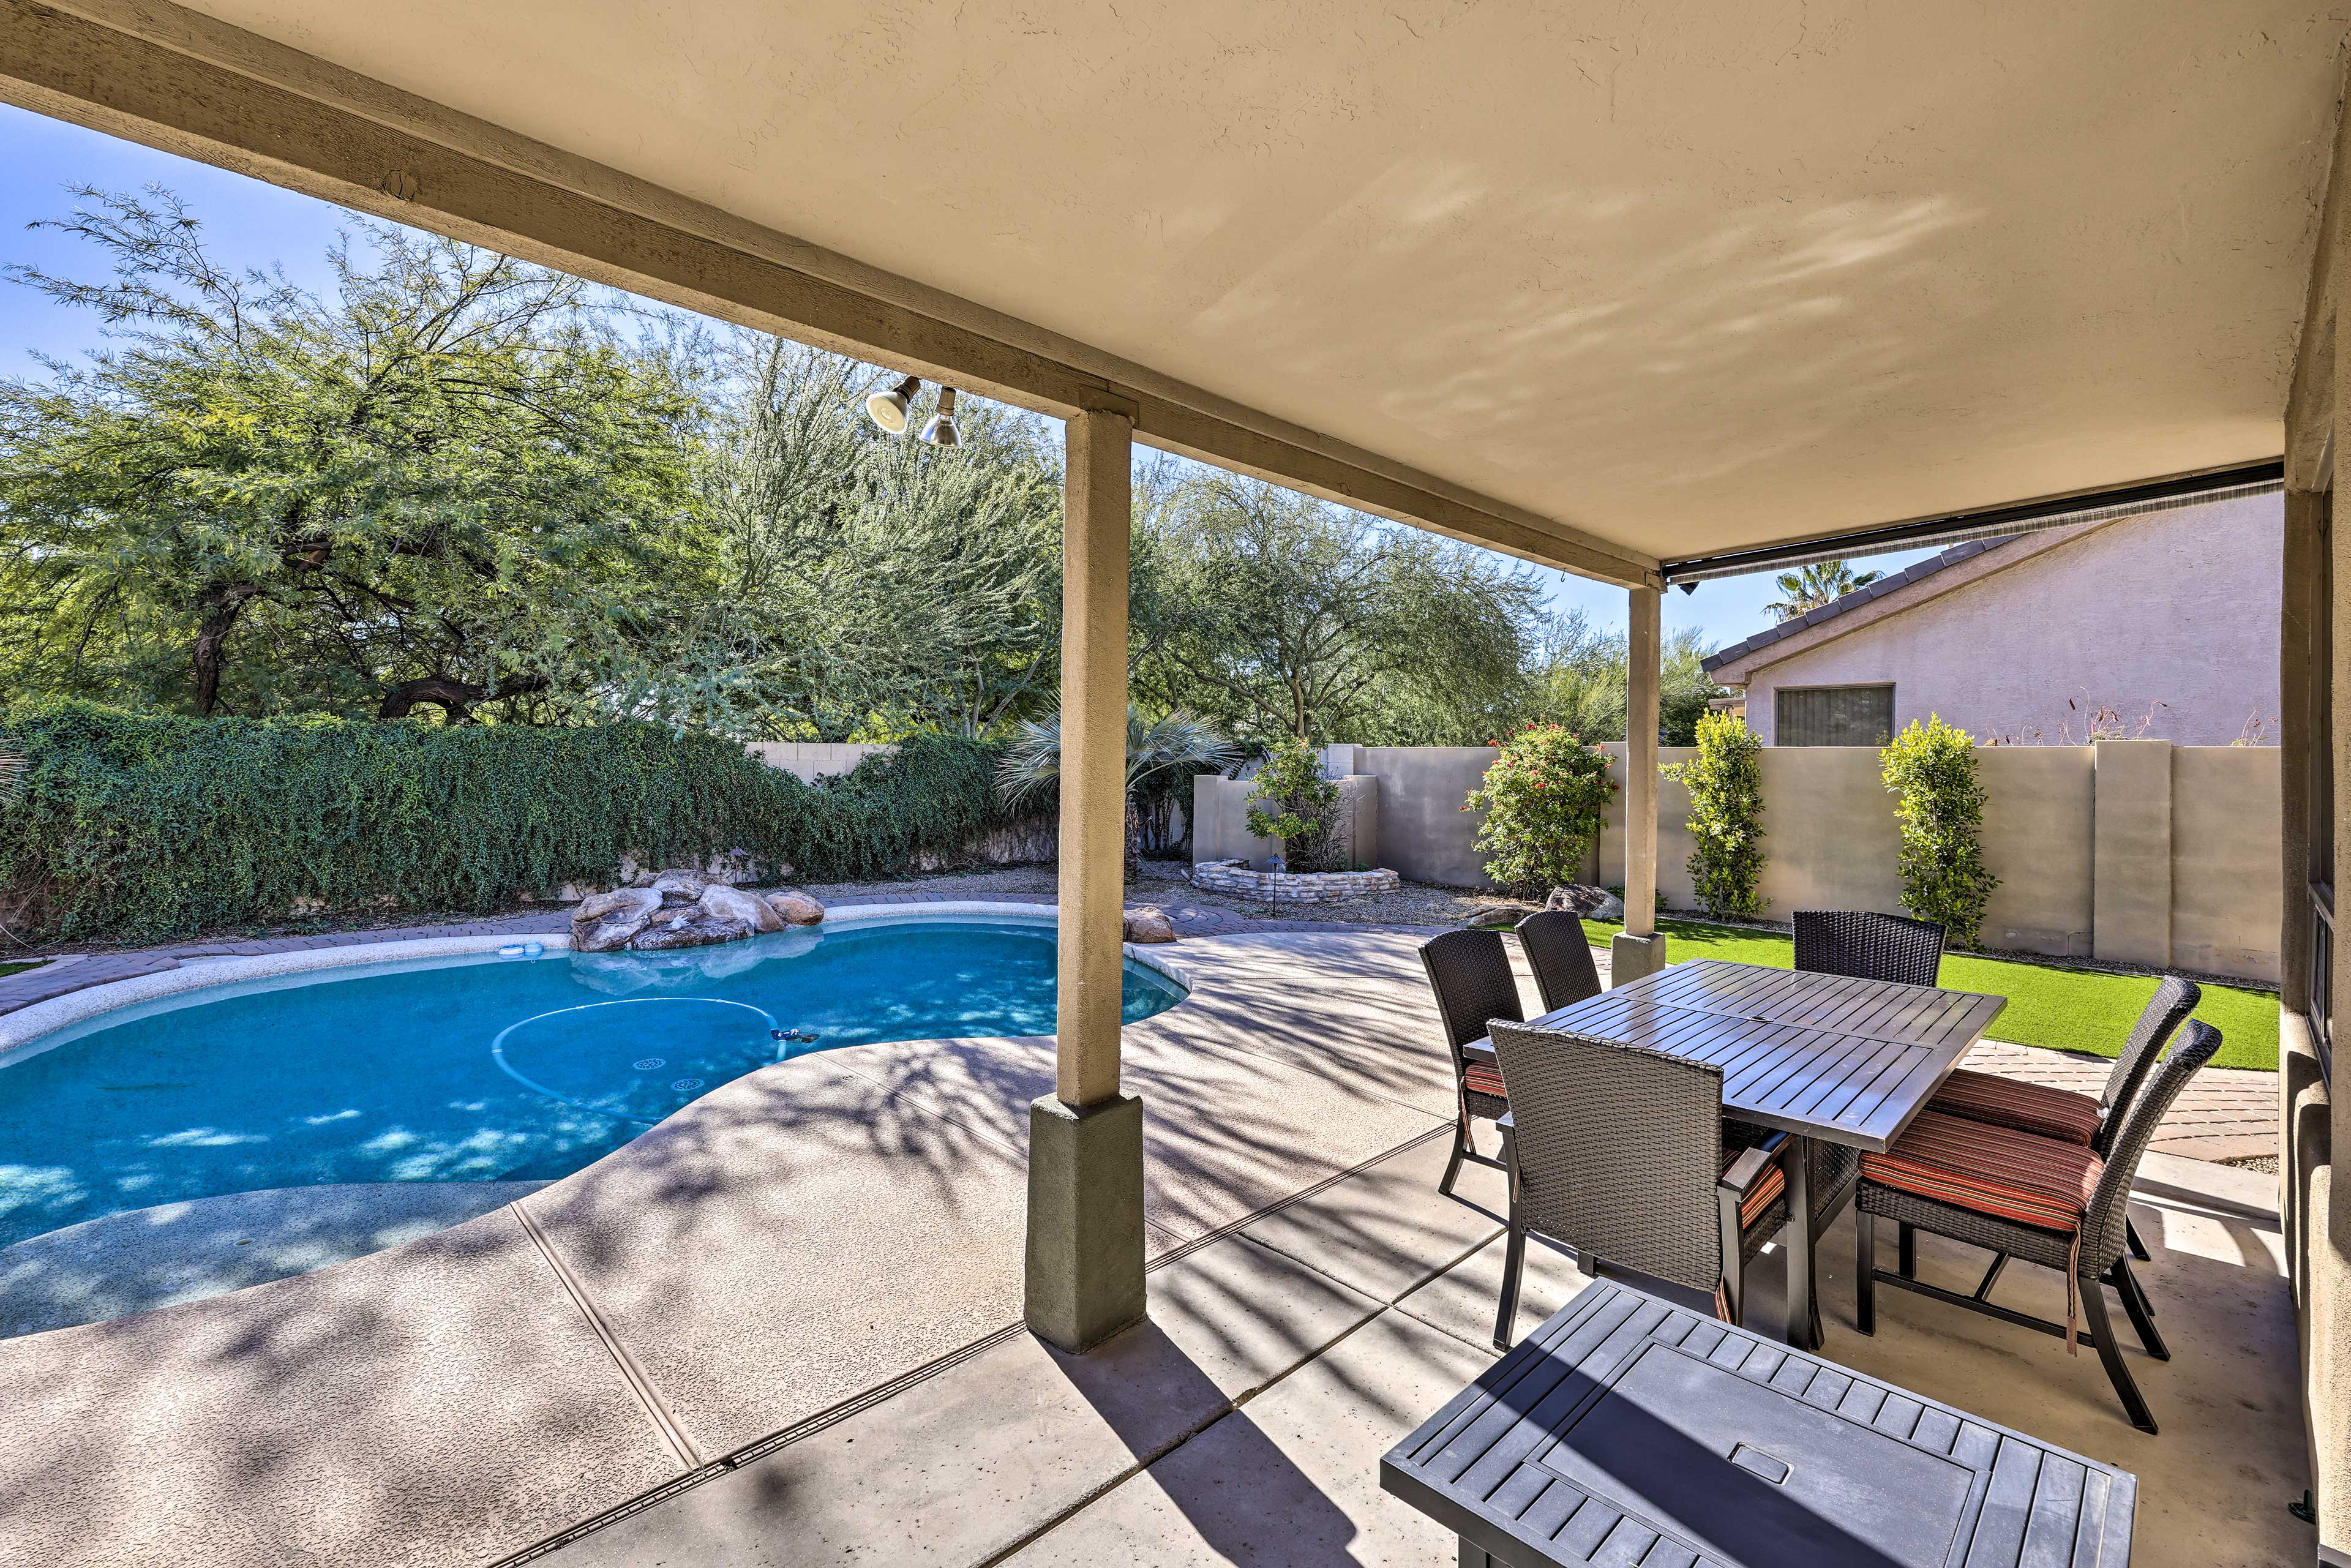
(1725,780)
(1930,769)
(1543,799)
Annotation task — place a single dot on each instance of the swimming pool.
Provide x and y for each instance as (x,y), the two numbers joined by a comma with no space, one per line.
(476,1068)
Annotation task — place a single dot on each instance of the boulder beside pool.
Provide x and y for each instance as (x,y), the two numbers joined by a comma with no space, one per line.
(1146,926)
(605,921)
(723,902)
(796,908)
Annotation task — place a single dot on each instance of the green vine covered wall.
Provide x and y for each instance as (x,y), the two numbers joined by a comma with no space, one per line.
(141,828)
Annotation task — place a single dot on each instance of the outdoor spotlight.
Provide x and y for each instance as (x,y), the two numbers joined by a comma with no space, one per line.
(888,409)
(941,430)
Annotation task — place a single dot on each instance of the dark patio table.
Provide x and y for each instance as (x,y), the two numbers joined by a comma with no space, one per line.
(1825,1057)
(1628,1430)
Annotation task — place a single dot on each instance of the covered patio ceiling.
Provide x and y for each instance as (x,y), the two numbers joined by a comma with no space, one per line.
(1601,286)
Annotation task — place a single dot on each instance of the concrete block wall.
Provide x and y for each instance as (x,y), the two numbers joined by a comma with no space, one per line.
(2134,852)
(1220,822)
(813,760)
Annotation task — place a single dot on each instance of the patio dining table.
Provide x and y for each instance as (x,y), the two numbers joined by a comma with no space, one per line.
(1829,1058)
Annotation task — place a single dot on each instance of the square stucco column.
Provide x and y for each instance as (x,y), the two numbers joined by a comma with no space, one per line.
(1085,1264)
(1638,949)
(2131,867)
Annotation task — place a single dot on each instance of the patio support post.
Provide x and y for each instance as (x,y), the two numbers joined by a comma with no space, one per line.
(1639,949)
(1085,1264)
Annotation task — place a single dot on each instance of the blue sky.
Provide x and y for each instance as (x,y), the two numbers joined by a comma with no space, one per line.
(250,223)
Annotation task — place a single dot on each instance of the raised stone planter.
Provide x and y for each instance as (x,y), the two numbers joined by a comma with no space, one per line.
(1290,886)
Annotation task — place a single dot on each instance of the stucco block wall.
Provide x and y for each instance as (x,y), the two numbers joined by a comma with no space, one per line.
(810,759)
(1424,832)
(2173,848)
(1220,822)
(2226,826)
(2039,839)
(2178,608)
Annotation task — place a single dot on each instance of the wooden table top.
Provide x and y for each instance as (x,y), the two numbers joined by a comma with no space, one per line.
(1627,1429)
(1828,1056)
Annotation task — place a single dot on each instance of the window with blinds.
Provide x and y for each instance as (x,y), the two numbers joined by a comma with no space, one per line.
(1833,715)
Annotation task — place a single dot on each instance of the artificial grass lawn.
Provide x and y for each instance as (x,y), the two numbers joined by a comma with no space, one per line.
(2070,1010)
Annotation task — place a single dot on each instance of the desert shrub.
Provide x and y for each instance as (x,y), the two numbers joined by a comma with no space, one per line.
(1930,769)
(1293,802)
(1544,797)
(144,827)
(1725,780)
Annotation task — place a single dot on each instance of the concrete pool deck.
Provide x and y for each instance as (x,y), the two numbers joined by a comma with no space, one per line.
(782,1327)
(790,1241)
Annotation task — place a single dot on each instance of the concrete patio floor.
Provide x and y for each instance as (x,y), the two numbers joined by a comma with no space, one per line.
(782,1328)
(1244,1424)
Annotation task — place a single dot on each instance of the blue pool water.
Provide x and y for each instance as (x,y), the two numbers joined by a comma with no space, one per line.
(475,1069)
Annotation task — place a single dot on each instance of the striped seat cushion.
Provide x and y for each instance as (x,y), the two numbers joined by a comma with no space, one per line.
(2058,1114)
(1481,1078)
(1992,1170)
(1769,1185)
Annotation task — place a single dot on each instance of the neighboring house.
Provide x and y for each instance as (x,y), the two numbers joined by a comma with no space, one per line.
(2042,637)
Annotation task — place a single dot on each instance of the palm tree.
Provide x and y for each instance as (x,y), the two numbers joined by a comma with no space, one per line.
(1821,582)
(1178,742)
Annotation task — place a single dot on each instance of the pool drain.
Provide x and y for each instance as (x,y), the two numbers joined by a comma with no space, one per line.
(648,1063)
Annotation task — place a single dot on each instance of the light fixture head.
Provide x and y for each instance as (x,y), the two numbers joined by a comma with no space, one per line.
(941,430)
(888,408)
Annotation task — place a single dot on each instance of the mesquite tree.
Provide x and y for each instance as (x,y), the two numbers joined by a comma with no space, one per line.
(449,481)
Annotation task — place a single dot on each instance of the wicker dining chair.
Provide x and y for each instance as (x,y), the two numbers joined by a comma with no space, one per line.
(2063,1112)
(1561,955)
(1868,946)
(2018,1195)
(1617,1152)
(1471,972)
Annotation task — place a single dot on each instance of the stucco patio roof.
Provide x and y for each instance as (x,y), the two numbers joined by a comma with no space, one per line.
(1599,287)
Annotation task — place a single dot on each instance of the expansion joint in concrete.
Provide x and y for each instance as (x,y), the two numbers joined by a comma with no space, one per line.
(673,1436)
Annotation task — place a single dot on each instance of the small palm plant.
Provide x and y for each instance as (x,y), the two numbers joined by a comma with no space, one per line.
(1820,583)
(1175,743)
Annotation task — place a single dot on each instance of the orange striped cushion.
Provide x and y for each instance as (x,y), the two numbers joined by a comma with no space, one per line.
(1992,1170)
(1769,1185)
(2010,1102)
(1480,1078)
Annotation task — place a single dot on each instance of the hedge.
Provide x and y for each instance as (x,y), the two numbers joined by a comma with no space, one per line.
(141,827)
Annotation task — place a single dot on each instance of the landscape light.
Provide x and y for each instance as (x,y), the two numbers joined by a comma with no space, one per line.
(941,430)
(888,409)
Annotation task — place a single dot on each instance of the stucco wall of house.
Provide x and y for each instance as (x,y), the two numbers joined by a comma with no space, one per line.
(2177,609)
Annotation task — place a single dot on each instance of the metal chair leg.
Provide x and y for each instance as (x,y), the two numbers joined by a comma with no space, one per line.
(1906,1249)
(2130,1232)
(2135,1305)
(1506,1313)
(1514,1257)
(1865,1270)
(2137,1291)
(2093,1308)
(1461,1145)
